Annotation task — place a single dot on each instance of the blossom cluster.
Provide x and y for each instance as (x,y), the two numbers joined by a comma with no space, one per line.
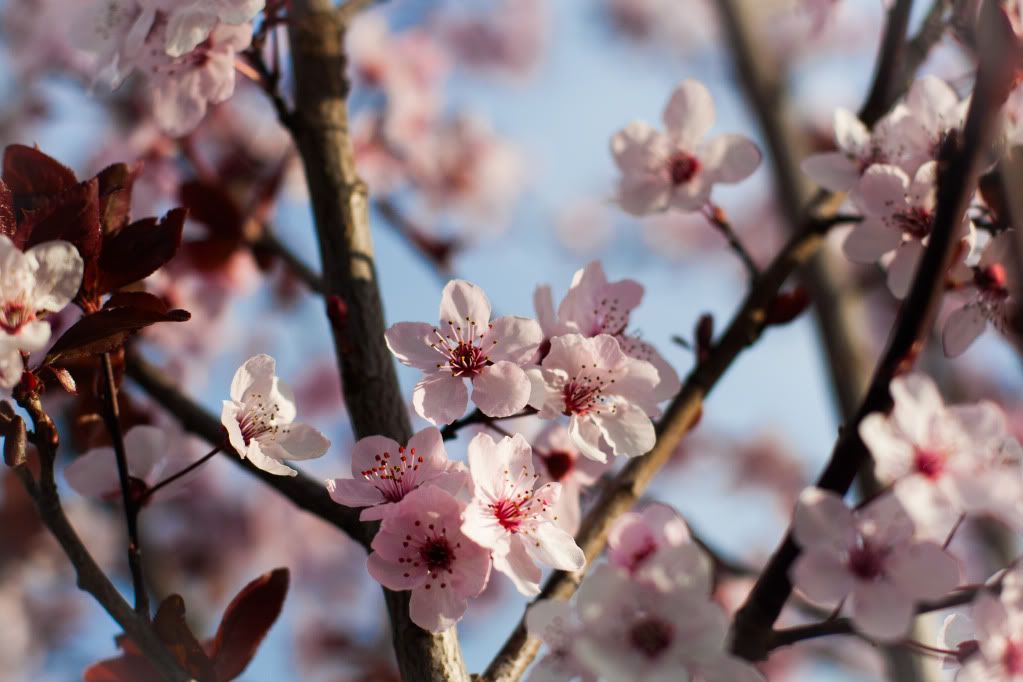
(890,174)
(645,615)
(186,50)
(579,362)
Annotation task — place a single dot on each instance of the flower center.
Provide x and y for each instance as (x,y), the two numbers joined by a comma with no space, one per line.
(992,279)
(509,514)
(1012,659)
(644,552)
(682,167)
(394,478)
(14,315)
(137,489)
(559,464)
(866,563)
(582,395)
(651,636)
(930,463)
(914,221)
(437,553)
(259,420)
(462,348)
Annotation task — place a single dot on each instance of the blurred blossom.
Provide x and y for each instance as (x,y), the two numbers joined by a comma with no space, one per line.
(509,39)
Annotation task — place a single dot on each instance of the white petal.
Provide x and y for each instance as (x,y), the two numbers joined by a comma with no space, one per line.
(461,304)
(903,267)
(628,430)
(255,376)
(413,344)
(556,548)
(823,520)
(518,566)
(851,135)
(501,390)
(962,328)
(880,610)
(731,158)
(440,398)
(59,274)
(512,338)
(869,240)
(689,113)
(923,570)
(882,189)
(822,577)
(302,441)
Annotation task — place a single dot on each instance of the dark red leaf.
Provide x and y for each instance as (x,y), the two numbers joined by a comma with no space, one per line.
(72,216)
(8,223)
(127,668)
(212,206)
(106,329)
(787,306)
(137,299)
(170,626)
(136,251)
(30,172)
(246,621)
(115,185)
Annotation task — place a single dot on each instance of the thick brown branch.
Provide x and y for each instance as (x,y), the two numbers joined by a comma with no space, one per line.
(959,169)
(306,493)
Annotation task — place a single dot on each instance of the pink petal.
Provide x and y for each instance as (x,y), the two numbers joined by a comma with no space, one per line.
(923,571)
(880,610)
(411,343)
(631,145)
(917,403)
(302,441)
(869,240)
(255,376)
(822,520)
(587,437)
(501,389)
(903,267)
(514,339)
(146,450)
(463,303)
(436,609)
(486,465)
(892,453)
(962,328)
(628,430)
(822,577)
(440,398)
(731,158)
(94,474)
(832,170)
(429,444)
(882,189)
(851,136)
(354,492)
(689,113)
(264,460)
(518,566)
(641,196)
(556,548)
(368,453)
(392,575)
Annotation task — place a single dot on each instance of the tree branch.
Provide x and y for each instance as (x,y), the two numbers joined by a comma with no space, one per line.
(959,167)
(90,576)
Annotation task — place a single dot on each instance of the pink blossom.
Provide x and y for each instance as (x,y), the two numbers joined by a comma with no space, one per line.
(191,22)
(595,306)
(655,546)
(384,473)
(840,171)
(150,453)
(989,642)
(41,280)
(869,560)
(511,519)
(258,419)
(558,460)
(993,292)
(467,345)
(556,624)
(509,39)
(932,110)
(945,461)
(608,396)
(677,169)
(115,31)
(898,216)
(633,631)
(183,87)
(421,548)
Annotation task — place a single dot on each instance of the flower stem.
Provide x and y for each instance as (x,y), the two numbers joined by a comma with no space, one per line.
(170,479)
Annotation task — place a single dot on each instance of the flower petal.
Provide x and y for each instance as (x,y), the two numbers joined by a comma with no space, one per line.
(440,398)
(302,441)
(514,339)
(462,304)
(869,240)
(731,158)
(689,113)
(962,328)
(501,390)
(413,344)
(59,274)
(832,170)
(880,610)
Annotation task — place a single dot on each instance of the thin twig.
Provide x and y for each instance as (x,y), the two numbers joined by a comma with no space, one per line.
(959,165)
(450,431)
(170,479)
(717,218)
(112,418)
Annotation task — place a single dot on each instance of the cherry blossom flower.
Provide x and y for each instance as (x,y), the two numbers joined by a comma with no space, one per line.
(421,548)
(993,297)
(556,624)
(899,213)
(869,560)
(932,110)
(514,521)
(150,452)
(858,149)
(41,280)
(957,634)
(608,396)
(558,460)
(183,87)
(945,461)
(993,651)
(259,417)
(677,169)
(655,546)
(595,306)
(467,345)
(115,32)
(633,631)
(510,39)
(384,473)
(190,23)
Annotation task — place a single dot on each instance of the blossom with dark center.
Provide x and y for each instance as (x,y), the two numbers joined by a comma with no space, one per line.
(608,396)
(677,168)
(466,344)
(514,519)
(633,630)
(43,279)
(384,472)
(993,295)
(556,458)
(420,547)
(868,559)
(259,420)
(594,306)
(945,461)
